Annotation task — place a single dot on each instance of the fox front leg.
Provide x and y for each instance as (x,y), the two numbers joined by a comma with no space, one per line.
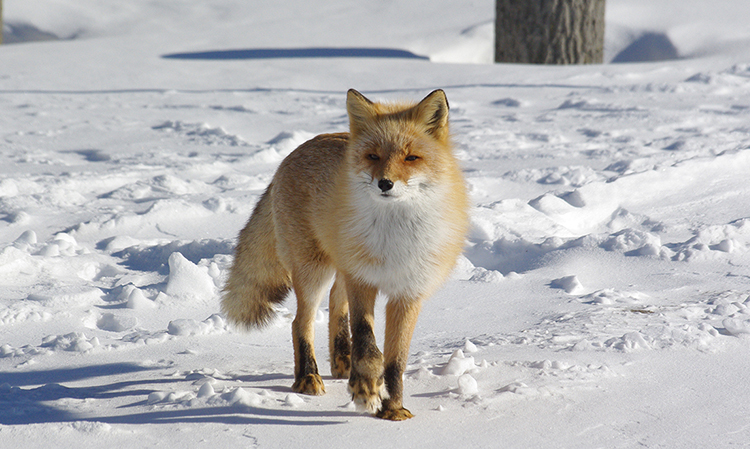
(366,376)
(401,318)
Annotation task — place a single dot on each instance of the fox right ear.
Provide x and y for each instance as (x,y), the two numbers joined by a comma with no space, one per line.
(432,111)
(360,110)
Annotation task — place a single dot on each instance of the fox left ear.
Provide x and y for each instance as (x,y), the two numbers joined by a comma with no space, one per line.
(433,113)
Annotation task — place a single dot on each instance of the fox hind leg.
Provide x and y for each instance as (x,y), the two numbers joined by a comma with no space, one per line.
(309,287)
(339,340)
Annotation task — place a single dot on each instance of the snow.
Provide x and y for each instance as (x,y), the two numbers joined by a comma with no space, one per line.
(603,297)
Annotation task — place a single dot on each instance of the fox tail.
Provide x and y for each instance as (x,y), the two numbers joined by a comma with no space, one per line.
(257,279)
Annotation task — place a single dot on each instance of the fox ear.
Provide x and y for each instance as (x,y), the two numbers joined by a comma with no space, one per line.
(360,110)
(432,112)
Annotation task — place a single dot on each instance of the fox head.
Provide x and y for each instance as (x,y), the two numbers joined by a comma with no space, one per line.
(399,150)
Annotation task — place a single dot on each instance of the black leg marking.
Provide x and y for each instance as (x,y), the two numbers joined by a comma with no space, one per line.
(394,383)
(342,348)
(364,345)
(307,364)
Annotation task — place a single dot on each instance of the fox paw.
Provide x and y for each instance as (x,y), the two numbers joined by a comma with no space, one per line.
(311,384)
(399,414)
(367,393)
(341,367)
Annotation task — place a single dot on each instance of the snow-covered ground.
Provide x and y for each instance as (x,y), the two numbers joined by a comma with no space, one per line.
(604,300)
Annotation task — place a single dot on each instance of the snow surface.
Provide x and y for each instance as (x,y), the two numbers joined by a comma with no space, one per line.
(604,297)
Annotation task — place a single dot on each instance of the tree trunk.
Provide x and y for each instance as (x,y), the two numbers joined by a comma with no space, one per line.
(549,31)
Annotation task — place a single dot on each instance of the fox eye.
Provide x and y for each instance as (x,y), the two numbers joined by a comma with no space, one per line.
(411,158)
(373,157)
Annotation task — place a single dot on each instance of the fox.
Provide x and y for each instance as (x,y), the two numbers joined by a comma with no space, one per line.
(383,209)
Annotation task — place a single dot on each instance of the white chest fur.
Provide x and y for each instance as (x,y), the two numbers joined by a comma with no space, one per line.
(404,235)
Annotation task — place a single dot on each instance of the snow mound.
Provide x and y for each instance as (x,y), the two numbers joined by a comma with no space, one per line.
(188,280)
(184,327)
(570,284)
(116,323)
(458,364)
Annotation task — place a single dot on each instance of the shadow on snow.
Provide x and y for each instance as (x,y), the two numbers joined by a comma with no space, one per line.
(36,405)
(286,53)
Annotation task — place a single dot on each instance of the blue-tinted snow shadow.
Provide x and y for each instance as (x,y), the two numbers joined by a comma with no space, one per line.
(20,405)
(649,47)
(289,53)
(54,376)
(39,404)
(156,258)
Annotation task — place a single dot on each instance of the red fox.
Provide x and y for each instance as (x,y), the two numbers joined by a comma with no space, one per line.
(382,208)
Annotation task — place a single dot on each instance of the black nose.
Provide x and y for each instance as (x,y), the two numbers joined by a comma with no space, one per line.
(385,185)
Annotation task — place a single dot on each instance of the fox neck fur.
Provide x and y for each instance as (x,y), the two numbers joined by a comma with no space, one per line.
(405,239)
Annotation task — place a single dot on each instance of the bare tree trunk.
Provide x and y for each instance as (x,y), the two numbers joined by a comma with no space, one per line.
(1,22)
(549,31)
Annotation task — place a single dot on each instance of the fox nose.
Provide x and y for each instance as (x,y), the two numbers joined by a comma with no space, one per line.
(385,185)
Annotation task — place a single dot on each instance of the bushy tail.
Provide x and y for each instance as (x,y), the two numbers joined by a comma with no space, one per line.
(257,279)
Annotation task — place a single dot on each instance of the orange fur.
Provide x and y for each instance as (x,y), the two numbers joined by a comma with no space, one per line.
(385,208)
